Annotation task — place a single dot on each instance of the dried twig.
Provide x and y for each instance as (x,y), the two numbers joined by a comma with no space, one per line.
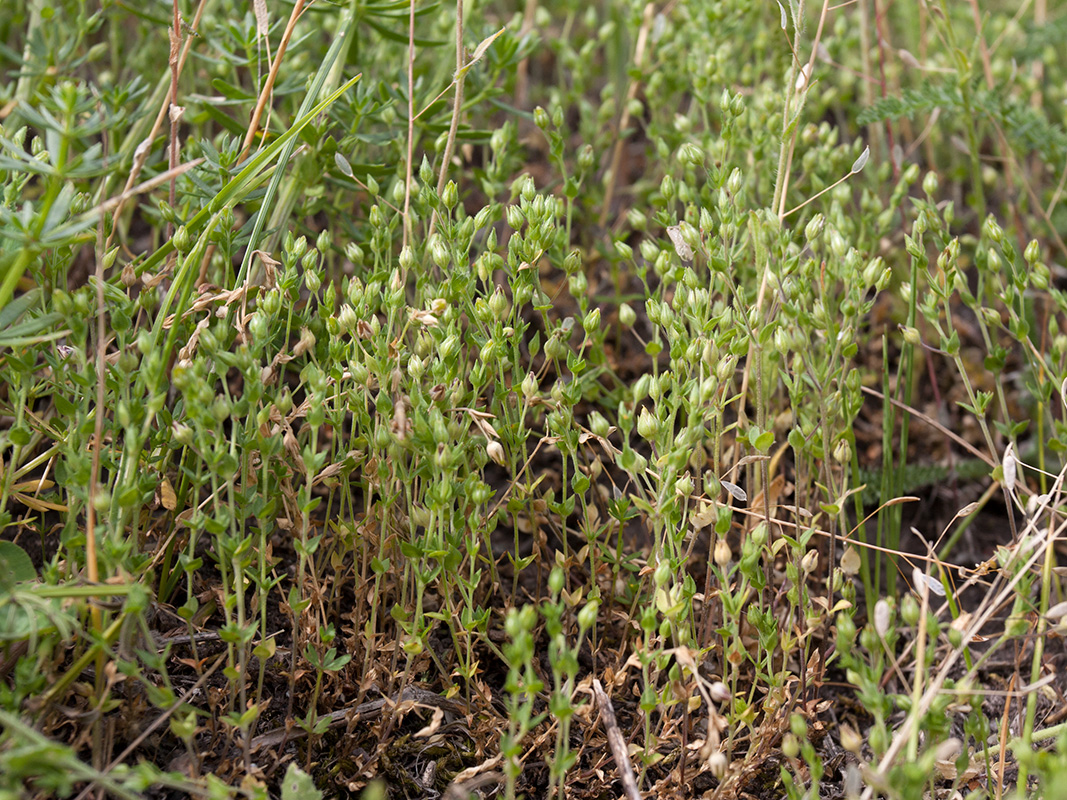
(155,724)
(624,119)
(412,695)
(616,742)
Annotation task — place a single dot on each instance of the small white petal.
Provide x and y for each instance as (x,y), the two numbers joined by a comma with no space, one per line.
(861,162)
(735,490)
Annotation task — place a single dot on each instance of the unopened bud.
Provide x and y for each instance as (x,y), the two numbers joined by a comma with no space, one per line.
(930,183)
(495,451)
(735,181)
(814,227)
(719,692)
(591,323)
(647,424)
(407,258)
(850,740)
(450,195)
(689,155)
(529,385)
(586,158)
(993,230)
(722,553)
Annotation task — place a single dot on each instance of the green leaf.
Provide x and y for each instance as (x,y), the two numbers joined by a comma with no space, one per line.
(243,182)
(228,90)
(15,565)
(403,37)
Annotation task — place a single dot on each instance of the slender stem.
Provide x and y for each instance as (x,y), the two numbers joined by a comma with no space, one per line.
(411,123)
(457,110)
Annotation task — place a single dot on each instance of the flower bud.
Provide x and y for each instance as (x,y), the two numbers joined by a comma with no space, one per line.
(873,271)
(183,434)
(450,347)
(587,616)
(683,487)
(578,284)
(1032,251)
(909,609)
(640,388)
(181,239)
(494,308)
(814,227)
(450,195)
(1040,276)
(555,348)
(259,327)
(529,385)
(724,371)
(689,155)
(930,183)
(647,424)
(734,182)
(495,451)
(591,323)
(482,218)
(347,318)
(993,262)
(850,740)
(993,230)
(407,258)
(598,424)
(514,217)
(838,245)
(662,573)
(883,617)
(914,249)
(555,581)
(722,553)
(498,141)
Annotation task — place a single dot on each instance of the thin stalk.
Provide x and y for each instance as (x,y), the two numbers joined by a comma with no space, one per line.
(409,167)
(1037,659)
(920,670)
(457,109)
